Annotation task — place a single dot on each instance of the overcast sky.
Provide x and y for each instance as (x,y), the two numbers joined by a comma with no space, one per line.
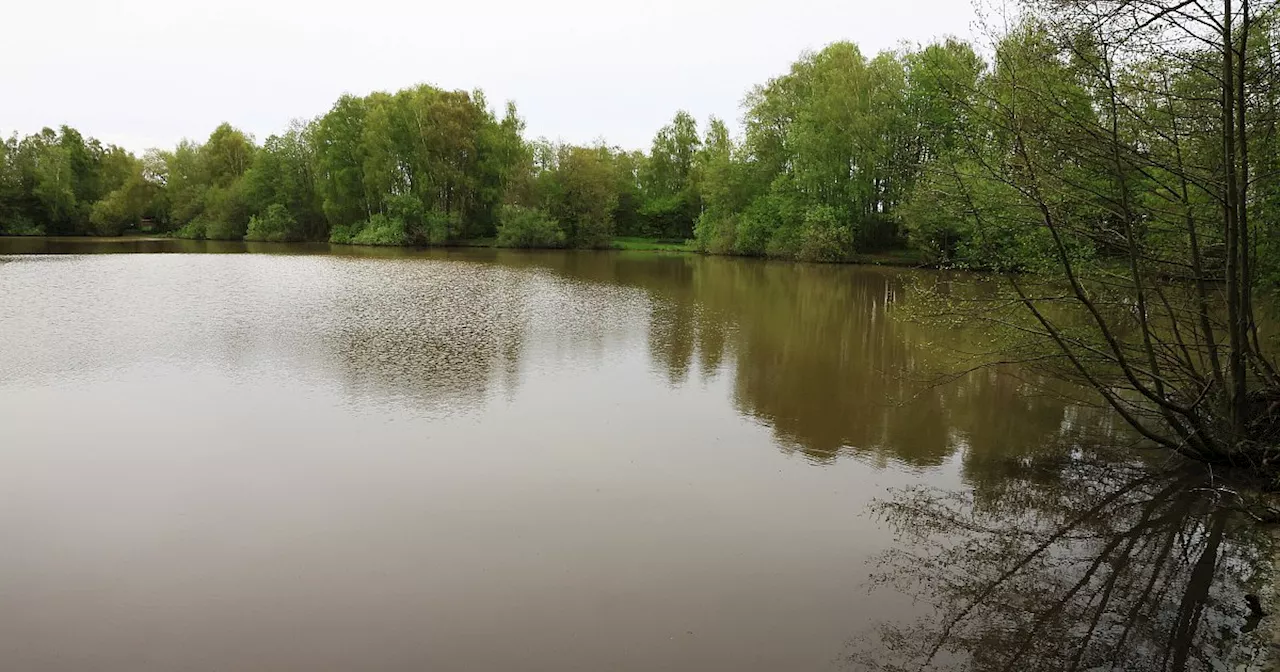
(144,73)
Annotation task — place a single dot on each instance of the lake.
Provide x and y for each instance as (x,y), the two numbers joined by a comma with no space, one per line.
(227,456)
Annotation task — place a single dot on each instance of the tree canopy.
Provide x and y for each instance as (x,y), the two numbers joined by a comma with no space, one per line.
(829,153)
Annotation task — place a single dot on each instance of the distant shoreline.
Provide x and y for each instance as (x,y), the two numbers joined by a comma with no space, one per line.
(899,258)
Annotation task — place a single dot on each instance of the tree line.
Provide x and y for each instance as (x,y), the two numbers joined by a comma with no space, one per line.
(831,153)
(841,154)
(1123,151)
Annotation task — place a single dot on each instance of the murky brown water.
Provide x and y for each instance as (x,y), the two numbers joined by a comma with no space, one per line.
(339,459)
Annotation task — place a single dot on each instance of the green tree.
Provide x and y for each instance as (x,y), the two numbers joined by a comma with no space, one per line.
(578,186)
(672,202)
(340,162)
(184,184)
(519,226)
(125,205)
(283,175)
(724,190)
(629,211)
(275,224)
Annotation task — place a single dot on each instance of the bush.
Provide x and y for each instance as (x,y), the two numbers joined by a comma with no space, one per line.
(222,229)
(822,238)
(983,231)
(672,217)
(108,216)
(438,228)
(381,230)
(20,225)
(408,210)
(276,225)
(377,230)
(343,233)
(715,234)
(193,229)
(527,227)
(226,213)
(756,224)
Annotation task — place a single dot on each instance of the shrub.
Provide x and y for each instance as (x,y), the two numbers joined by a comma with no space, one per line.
(20,225)
(343,233)
(715,234)
(223,229)
(193,229)
(408,210)
(438,228)
(755,226)
(985,230)
(109,217)
(226,213)
(379,230)
(275,225)
(821,237)
(527,227)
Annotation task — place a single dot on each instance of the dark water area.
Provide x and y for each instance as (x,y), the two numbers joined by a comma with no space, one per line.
(237,456)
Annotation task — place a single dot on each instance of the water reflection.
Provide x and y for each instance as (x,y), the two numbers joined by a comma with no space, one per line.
(1073,563)
(817,353)
(554,457)
(822,356)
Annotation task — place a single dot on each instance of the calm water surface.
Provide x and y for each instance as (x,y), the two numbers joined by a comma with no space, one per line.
(340,459)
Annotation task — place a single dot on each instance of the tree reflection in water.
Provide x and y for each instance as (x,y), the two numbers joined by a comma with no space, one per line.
(1089,565)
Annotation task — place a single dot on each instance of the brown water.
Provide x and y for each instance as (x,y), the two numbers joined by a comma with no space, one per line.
(339,459)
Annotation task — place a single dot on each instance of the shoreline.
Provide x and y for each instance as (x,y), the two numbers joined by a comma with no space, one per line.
(894,258)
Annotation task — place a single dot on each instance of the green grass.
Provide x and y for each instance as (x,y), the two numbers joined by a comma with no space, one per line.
(890,258)
(651,244)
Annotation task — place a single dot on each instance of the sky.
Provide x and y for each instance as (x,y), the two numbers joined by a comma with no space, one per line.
(147,73)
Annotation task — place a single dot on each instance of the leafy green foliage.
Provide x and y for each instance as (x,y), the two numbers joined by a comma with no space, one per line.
(519,226)
(59,183)
(444,149)
(184,184)
(578,187)
(206,193)
(842,155)
(672,200)
(275,225)
(226,212)
(377,230)
(832,151)
(823,237)
(283,177)
(381,229)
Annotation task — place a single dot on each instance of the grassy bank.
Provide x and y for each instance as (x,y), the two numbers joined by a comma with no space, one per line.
(905,258)
(902,258)
(651,245)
